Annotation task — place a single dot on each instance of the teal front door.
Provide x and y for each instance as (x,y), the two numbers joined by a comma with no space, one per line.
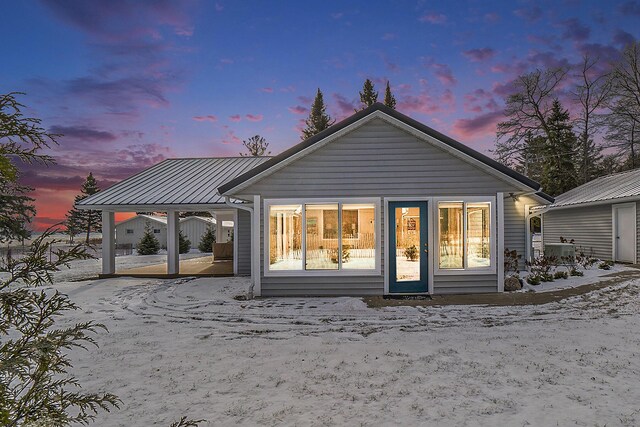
(408,247)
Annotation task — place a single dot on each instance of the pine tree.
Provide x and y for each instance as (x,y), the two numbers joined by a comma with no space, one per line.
(184,244)
(73,223)
(318,119)
(85,221)
(207,240)
(148,244)
(256,146)
(559,172)
(389,99)
(368,96)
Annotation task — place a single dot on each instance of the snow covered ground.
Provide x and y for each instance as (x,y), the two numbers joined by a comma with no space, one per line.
(187,347)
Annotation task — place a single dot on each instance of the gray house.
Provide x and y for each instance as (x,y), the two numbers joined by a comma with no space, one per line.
(377,204)
(601,216)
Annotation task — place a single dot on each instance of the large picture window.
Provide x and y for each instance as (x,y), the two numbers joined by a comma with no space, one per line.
(464,235)
(327,236)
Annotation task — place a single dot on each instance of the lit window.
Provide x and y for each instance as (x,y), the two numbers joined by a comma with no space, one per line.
(285,237)
(327,236)
(460,246)
(358,236)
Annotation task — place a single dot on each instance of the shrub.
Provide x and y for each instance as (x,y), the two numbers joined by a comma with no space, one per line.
(411,253)
(604,266)
(207,240)
(575,272)
(585,260)
(533,280)
(511,262)
(561,275)
(346,254)
(184,244)
(542,266)
(148,244)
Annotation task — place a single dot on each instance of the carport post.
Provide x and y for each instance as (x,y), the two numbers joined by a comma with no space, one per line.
(173,248)
(108,243)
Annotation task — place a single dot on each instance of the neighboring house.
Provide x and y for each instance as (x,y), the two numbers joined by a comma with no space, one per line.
(601,216)
(377,204)
(130,231)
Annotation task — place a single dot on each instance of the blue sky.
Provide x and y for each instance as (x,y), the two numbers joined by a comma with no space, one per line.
(132,82)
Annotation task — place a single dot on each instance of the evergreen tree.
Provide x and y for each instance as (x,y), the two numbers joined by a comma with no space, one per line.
(368,96)
(389,99)
(81,220)
(256,146)
(37,386)
(148,244)
(207,240)
(318,119)
(559,172)
(184,244)
(73,223)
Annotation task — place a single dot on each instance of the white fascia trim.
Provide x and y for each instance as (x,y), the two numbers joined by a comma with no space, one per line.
(320,273)
(393,121)
(151,208)
(141,217)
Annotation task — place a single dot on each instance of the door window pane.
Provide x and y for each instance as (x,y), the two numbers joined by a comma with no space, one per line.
(478,239)
(408,249)
(358,237)
(322,237)
(450,236)
(285,237)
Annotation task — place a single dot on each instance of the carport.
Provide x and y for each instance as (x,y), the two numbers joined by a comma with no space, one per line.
(171,187)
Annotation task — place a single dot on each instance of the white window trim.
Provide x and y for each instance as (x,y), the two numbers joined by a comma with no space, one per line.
(493,236)
(318,273)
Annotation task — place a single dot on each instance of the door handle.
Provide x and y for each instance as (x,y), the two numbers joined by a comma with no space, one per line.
(426,251)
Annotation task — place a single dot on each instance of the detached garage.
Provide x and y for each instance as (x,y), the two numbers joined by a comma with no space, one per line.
(601,216)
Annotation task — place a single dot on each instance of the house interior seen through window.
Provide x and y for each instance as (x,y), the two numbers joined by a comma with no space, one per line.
(464,235)
(322,236)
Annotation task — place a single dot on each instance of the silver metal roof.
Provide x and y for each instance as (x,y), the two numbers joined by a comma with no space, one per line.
(174,182)
(624,185)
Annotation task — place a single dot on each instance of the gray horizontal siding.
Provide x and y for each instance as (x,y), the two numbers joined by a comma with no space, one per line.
(638,232)
(589,227)
(380,160)
(465,284)
(244,243)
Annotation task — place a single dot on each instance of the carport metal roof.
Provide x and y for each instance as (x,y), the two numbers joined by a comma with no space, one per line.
(624,186)
(188,184)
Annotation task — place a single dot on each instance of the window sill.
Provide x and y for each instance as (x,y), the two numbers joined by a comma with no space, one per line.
(322,273)
(464,272)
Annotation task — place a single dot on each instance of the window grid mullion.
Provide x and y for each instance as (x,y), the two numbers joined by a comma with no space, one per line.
(464,236)
(339,236)
(304,236)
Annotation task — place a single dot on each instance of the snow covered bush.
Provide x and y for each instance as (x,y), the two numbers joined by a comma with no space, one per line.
(184,244)
(148,244)
(207,240)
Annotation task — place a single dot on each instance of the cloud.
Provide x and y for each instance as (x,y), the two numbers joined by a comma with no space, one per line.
(344,106)
(481,125)
(443,72)
(83,133)
(267,90)
(433,18)
(209,118)
(630,8)
(478,55)
(337,15)
(219,7)
(424,102)
(235,118)
(389,36)
(230,137)
(298,109)
(622,38)
(574,30)
(491,17)
(254,117)
(531,14)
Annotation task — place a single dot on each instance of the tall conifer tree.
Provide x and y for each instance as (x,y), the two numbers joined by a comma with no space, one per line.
(318,119)
(389,99)
(81,220)
(368,96)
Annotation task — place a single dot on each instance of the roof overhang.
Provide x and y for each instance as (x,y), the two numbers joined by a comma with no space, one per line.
(378,111)
(594,203)
(155,208)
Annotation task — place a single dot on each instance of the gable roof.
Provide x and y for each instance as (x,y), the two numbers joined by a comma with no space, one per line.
(158,219)
(173,182)
(611,188)
(198,218)
(263,168)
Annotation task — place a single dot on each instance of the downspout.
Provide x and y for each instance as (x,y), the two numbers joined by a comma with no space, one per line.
(228,202)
